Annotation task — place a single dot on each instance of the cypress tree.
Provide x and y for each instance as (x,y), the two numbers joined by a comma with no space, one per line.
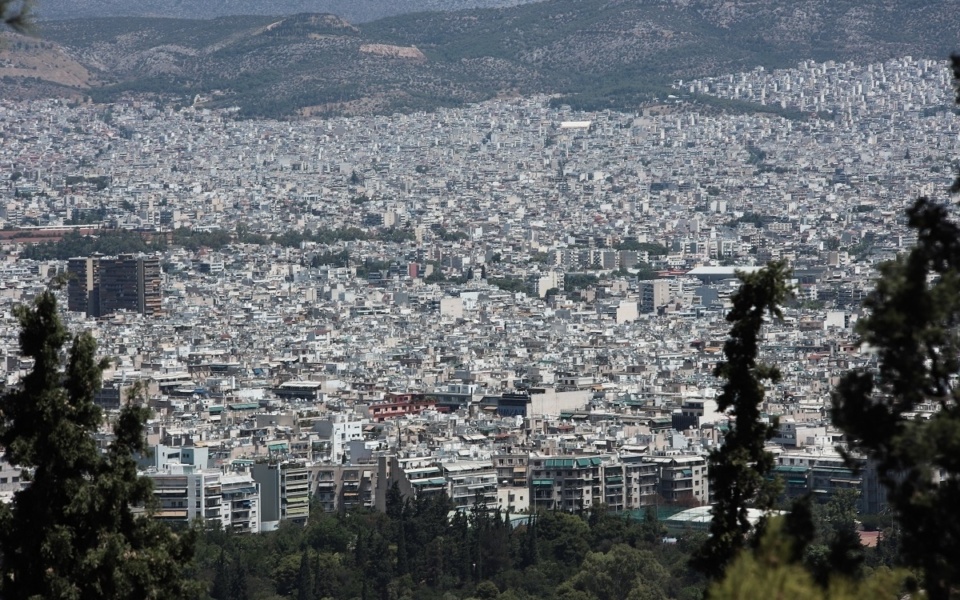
(305,582)
(221,579)
(73,532)
(739,467)
(239,589)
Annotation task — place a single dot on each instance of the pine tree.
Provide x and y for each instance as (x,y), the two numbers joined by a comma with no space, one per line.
(914,313)
(15,15)
(739,468)
(528,550)
(73,532)
(770,571)
(913,325)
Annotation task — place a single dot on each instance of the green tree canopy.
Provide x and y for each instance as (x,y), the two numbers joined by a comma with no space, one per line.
(72,532)
(770,572)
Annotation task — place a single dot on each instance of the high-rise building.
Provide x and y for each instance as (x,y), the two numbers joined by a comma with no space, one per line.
(101,286)
(82,286)
(284,492)
(654,294)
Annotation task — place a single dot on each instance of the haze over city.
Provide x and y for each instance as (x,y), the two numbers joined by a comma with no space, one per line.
(431,301)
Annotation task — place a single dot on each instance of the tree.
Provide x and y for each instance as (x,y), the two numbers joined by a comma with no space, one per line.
(836,548)
(622,573)
(912,325)
(73,532)
(305,583)
(15,14)
(221,579)
(739,468)
(771,572)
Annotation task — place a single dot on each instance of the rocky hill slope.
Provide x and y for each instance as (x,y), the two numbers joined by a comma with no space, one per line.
(596,53)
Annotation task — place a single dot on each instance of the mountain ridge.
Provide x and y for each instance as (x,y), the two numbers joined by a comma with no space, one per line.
(610,54)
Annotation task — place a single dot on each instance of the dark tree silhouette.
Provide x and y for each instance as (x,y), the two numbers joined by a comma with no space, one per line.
(739,467)
(72,532)
(913,320)
(15,15)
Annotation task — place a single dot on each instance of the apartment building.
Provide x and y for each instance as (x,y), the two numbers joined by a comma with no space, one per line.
(822,473)
(285,492)
(471,482)
(683,479)
(566,483)
(342,488)
(185,493)
(101,286)
(653,294)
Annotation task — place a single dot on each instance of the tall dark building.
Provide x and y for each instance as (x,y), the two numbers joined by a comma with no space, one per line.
(82,286)
(101,286)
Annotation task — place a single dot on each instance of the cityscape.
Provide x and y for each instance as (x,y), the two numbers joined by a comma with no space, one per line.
(513,303)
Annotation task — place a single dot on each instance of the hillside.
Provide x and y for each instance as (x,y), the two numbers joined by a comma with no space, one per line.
(29,61)
(614,53)
(355,11)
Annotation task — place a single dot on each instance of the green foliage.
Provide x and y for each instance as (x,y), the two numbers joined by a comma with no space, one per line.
(756,155)
(106,242)
(510,284)
(651,247)
(448,236)
(579,281)
(912,324)
(120,241)
(336,259)
(835,548)
(418,549)
(621,573)
(87,216)
(101,182)
(194,240)
(543,258)
(756,219)
(770,571)
(739,467)
(72,533)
